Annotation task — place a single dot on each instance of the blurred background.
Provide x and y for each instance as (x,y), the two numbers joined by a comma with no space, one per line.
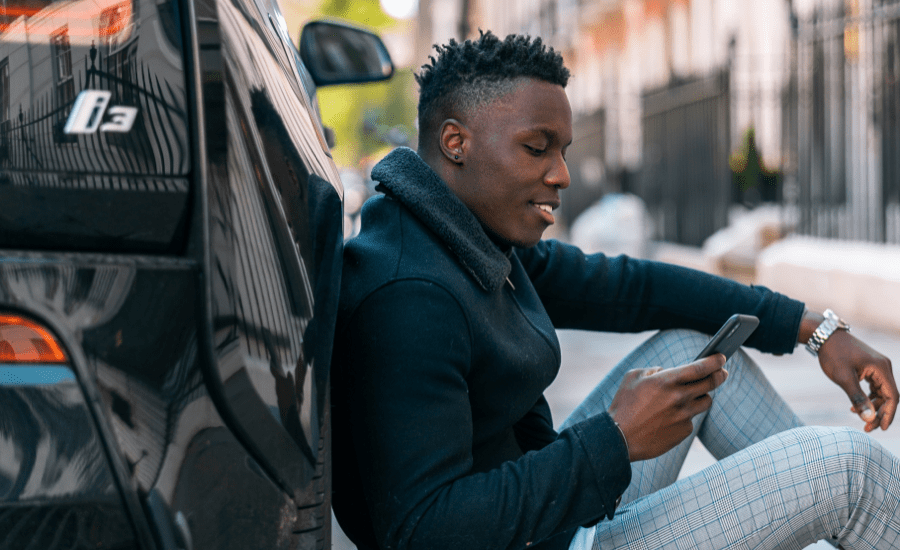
(756,139)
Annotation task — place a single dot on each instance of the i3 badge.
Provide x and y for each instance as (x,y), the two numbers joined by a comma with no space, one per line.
(87,114)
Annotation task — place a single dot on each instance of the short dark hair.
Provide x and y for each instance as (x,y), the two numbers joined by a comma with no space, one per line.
(468,74)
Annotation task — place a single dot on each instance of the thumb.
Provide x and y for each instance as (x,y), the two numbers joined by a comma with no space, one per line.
(861,404)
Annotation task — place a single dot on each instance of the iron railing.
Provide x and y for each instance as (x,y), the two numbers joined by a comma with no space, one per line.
(848,120)
(32,141)
(685,178)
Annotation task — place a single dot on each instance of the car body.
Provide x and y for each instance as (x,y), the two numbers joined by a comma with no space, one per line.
(170,248)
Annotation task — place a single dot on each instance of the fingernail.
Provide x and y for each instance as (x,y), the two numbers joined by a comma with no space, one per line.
(867,414)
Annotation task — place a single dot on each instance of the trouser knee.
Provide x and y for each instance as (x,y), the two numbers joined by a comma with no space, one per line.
(682,345)
(851,451)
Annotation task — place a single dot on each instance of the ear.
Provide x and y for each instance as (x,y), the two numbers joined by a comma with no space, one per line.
(454,139)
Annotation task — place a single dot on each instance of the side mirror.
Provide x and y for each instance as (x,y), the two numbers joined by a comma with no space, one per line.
(337,53)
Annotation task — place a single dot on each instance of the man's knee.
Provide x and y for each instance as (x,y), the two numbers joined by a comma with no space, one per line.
(856,452)
(682,345)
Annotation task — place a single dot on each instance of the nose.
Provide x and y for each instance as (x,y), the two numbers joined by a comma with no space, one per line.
(558,175)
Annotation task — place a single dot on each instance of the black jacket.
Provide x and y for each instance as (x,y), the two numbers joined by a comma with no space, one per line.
(445,344)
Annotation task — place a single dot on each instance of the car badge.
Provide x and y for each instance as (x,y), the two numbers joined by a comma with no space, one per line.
(88,113)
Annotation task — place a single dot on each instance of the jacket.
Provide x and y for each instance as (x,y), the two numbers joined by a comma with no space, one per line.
(445,344)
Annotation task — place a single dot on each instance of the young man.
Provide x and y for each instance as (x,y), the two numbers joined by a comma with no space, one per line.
(446,342)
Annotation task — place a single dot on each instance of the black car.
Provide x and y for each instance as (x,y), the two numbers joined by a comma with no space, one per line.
(170,247)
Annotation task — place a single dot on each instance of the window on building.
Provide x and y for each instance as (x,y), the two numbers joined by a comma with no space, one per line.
(4,91)
(63,80)
(61,51)
(4,109)
(120,65)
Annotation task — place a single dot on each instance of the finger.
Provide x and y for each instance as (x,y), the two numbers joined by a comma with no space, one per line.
(633,374)
(861,404)
(697,370)
(652,370)
(888,410)
(883,394)
(699,405)
(708,384)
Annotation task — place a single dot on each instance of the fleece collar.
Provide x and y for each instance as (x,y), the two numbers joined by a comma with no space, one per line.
(411,181)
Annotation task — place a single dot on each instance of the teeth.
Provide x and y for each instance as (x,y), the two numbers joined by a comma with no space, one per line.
(545,207)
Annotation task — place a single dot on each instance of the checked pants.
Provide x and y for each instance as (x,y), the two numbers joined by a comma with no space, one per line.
(776,485)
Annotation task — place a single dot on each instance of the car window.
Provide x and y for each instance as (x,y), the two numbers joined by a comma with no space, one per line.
(93,118)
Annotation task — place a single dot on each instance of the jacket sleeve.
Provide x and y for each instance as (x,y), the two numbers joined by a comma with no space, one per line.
(413,435)
(622,294)
(535,430)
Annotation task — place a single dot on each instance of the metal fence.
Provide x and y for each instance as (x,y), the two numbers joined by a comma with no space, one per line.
(848,120)
(32,140)
(685,179)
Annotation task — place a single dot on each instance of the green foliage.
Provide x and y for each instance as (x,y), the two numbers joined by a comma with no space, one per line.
(368,118)
(364,12)
(754,182)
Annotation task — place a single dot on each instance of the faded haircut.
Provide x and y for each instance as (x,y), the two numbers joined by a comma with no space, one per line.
(467,75)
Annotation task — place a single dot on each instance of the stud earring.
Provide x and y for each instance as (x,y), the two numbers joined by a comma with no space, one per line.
(456,157)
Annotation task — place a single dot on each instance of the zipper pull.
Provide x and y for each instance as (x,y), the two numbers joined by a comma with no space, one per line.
(510,284)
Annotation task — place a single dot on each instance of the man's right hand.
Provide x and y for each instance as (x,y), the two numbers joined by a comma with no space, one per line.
(654,407)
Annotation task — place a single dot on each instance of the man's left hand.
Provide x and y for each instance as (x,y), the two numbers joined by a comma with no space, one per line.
(847,361)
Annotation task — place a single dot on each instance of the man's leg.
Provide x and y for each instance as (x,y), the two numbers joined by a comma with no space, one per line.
(789,491)
(746,409)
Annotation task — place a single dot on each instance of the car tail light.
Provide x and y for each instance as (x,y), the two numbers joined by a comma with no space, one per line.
(24,341)
(30,354)
(55,483)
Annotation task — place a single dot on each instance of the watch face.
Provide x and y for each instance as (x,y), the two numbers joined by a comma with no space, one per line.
(841,324)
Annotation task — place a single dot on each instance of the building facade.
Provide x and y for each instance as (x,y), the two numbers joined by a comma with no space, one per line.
(673,97)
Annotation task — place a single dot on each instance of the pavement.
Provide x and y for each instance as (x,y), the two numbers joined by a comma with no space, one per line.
(587,357)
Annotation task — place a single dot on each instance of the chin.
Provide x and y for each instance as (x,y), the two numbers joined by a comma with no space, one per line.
(527,244)
(522,241)
(506,240)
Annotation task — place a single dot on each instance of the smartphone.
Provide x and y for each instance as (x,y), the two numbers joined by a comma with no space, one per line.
(731,336)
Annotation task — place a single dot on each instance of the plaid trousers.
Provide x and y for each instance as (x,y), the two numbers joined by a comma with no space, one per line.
(776,484)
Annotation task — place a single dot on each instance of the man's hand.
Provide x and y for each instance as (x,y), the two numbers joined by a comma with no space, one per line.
(847,361)
(654,407)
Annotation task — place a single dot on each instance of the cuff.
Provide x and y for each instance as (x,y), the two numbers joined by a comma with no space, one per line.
(603,443)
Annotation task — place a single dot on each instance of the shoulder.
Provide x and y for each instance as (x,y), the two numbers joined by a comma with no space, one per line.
(394,250)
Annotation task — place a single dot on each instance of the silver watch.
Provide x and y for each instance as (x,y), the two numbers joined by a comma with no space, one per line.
(831,323)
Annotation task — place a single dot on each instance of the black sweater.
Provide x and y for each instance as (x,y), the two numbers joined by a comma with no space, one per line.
(445,344)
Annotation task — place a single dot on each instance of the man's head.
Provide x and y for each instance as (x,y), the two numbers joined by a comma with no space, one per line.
(495,123)
(465,76)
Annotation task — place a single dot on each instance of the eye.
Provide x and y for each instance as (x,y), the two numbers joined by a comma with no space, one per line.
(535,150)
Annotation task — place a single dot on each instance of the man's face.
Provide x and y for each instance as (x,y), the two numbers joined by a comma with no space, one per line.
(515,165)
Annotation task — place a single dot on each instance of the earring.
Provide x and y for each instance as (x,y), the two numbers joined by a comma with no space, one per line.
(456,157)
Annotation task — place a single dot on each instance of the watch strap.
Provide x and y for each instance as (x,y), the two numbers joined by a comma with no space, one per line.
(824,331)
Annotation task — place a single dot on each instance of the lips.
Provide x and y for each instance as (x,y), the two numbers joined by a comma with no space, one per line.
(546,208)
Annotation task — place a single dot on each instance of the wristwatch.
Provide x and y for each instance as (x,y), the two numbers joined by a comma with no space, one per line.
(831,323)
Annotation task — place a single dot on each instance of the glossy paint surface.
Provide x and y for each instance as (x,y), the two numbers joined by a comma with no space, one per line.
(275,242)
(92,190)
(50,451)
(196,411)
(129,327)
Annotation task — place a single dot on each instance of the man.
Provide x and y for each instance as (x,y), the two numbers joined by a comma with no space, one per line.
(446,342)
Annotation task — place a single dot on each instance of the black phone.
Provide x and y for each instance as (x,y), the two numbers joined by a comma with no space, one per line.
(731,336)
